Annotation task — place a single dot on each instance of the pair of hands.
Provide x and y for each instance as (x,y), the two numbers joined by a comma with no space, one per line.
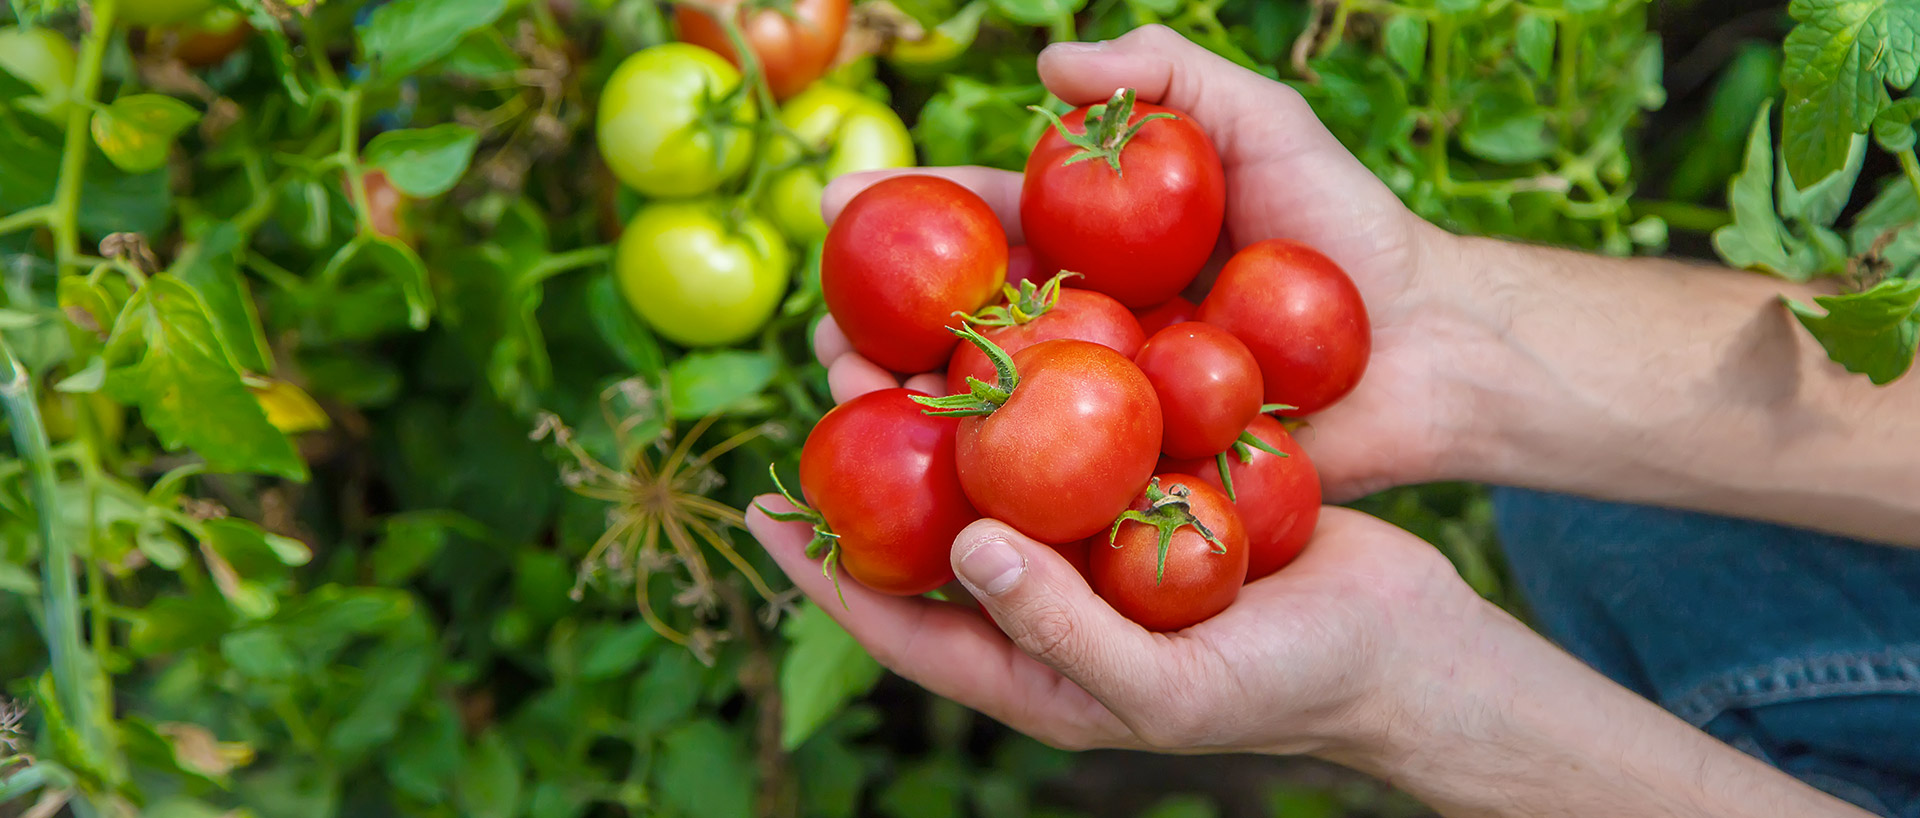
(1325,656)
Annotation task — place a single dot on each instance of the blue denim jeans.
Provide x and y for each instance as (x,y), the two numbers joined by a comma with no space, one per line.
(1801,649)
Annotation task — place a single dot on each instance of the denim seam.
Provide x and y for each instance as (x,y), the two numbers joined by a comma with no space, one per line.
(1856,673)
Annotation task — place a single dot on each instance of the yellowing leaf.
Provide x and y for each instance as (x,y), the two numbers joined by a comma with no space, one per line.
(288,407)
(136,132)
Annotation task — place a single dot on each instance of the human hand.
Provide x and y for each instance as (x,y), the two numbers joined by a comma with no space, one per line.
(1287,177)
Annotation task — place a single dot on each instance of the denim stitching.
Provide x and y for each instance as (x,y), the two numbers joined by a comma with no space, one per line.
(1892,670)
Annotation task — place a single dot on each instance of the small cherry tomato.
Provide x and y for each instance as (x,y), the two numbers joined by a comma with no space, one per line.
(1062,444)
(208,40)
(1300,315)
(1175,558)
(658,128)
(849,132)
(1129,195)
(794,45)
(699,277)
(1032,315)
(1278,497)
(879,474)
(901,259)
(1174,311)
(1208,384)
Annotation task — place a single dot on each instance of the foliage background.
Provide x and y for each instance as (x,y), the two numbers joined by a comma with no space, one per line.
(407,611)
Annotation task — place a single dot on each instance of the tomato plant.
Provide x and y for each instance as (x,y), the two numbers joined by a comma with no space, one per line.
(202,41)
(1277,493)
(838,131)
(902,258)
(1208,384)
(674,121)
(1034,314)
(1300,315)
(698,279)
(1173,559)
(795,40)
(1128,194)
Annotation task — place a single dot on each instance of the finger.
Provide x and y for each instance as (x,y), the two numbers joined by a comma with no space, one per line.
(1045,606)
(829,343)
(946,648)
(851,376)
(931,383)
(1000,189)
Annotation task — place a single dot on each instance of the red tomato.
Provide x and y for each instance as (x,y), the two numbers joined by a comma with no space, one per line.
(1181,568)
(1208,384)
(1278,497)
(902,258)
(1176,310)
(794,46)
(1066,448)
(1022,266)
(1301,316)
(1140,219)
(880,472)
(387,206)
(1044,314)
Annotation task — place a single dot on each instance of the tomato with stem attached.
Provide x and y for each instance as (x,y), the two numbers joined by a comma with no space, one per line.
(1173,559)
(700,274)
(795,42)
(675,121)
(840,131)
(1302,317)
(1130,195)
(901,259)
(1156,318)
(883,493)
(1209,387)
(1278,497)
(1060,443)
(1034,314)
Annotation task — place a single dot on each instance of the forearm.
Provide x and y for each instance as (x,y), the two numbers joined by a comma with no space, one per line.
(1516,727)
(1669,383)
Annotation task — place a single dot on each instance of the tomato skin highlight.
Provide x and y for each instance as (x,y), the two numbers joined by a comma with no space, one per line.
(1302,317)
(881,472)
(1208,384)
(901,258)
(1080,315)
(1199,581)
(1070,449)
(1141,235)
(793,50)
(1177,310)
(1278,497)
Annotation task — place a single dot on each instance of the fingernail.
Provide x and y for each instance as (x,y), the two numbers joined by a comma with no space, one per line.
(992,565)
(1094,47)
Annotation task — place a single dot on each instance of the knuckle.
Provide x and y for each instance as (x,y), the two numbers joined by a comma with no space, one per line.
(1048,634)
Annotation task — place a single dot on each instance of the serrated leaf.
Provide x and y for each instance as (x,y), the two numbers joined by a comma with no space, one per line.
(1893,127)
(424,162)
(1839,59)
(1533,42)
(209,266)
(702,382)
(1755,240)
(1505,129)
(165,357)
(1872,333)
(136,132)
(1821,202)
(823,670)
(402,36)
(1038,12)
(1406,42)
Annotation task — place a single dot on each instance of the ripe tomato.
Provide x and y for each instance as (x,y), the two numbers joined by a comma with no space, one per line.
(1301,316)
(1278,497)
(161,12)
(1173,559)
(901,259)
(1209,387)
(879,472)
(1140,217)
(44,60)
(207,40)
(1176,310)
(795,45)
(387,206)
(852,132)
(656,129)
(1032,315)
(1062,446)
(1022,266)
(699,277)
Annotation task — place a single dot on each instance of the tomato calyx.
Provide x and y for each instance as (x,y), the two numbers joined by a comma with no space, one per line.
(1166,511)
(1243,449)
(981,398)
(825,545)
(1106,133)
(1023,305)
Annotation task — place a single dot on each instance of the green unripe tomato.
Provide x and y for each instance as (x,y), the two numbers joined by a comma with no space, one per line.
(849,132)
(696,281)
(657,129)
(44,60)
(160,12)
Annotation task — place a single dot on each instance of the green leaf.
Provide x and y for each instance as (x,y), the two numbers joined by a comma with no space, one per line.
(172,624)
(1821,202)
(489,782)
(1505,129)
(111,200)
(703,770)
(1406,42)
(1871,333)
(426,756)
(136,132)
(208,265)
(1038,12)
(935,788)
(259,654)
(484,55)
(823,670)
(1839,59)
(1533,42)
(393,681)
(1162,8)
(409,540)
(424,162)
(398,260)
(1183,806)
(703,382)
(1893,128)
(666,692)
(614,651)
(629,338)
(1756,238)
(403,36)
(165,356)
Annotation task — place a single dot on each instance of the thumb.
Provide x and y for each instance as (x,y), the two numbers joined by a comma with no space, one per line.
(1045,606)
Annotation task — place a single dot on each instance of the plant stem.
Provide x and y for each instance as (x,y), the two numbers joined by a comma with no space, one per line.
(570,260)
(1062,29)
(1686,216)
(1440,95)
(349,155)
(30,217)
(73,153)
(1911,168)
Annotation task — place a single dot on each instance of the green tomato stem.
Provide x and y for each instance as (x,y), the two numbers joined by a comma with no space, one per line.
(73,153)
(348,155)
(1911,167)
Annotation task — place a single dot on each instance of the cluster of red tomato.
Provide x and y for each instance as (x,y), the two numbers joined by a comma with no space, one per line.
(1098,412)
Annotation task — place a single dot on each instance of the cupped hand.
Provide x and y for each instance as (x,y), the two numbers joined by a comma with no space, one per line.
(1287,177)
(1325,656)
